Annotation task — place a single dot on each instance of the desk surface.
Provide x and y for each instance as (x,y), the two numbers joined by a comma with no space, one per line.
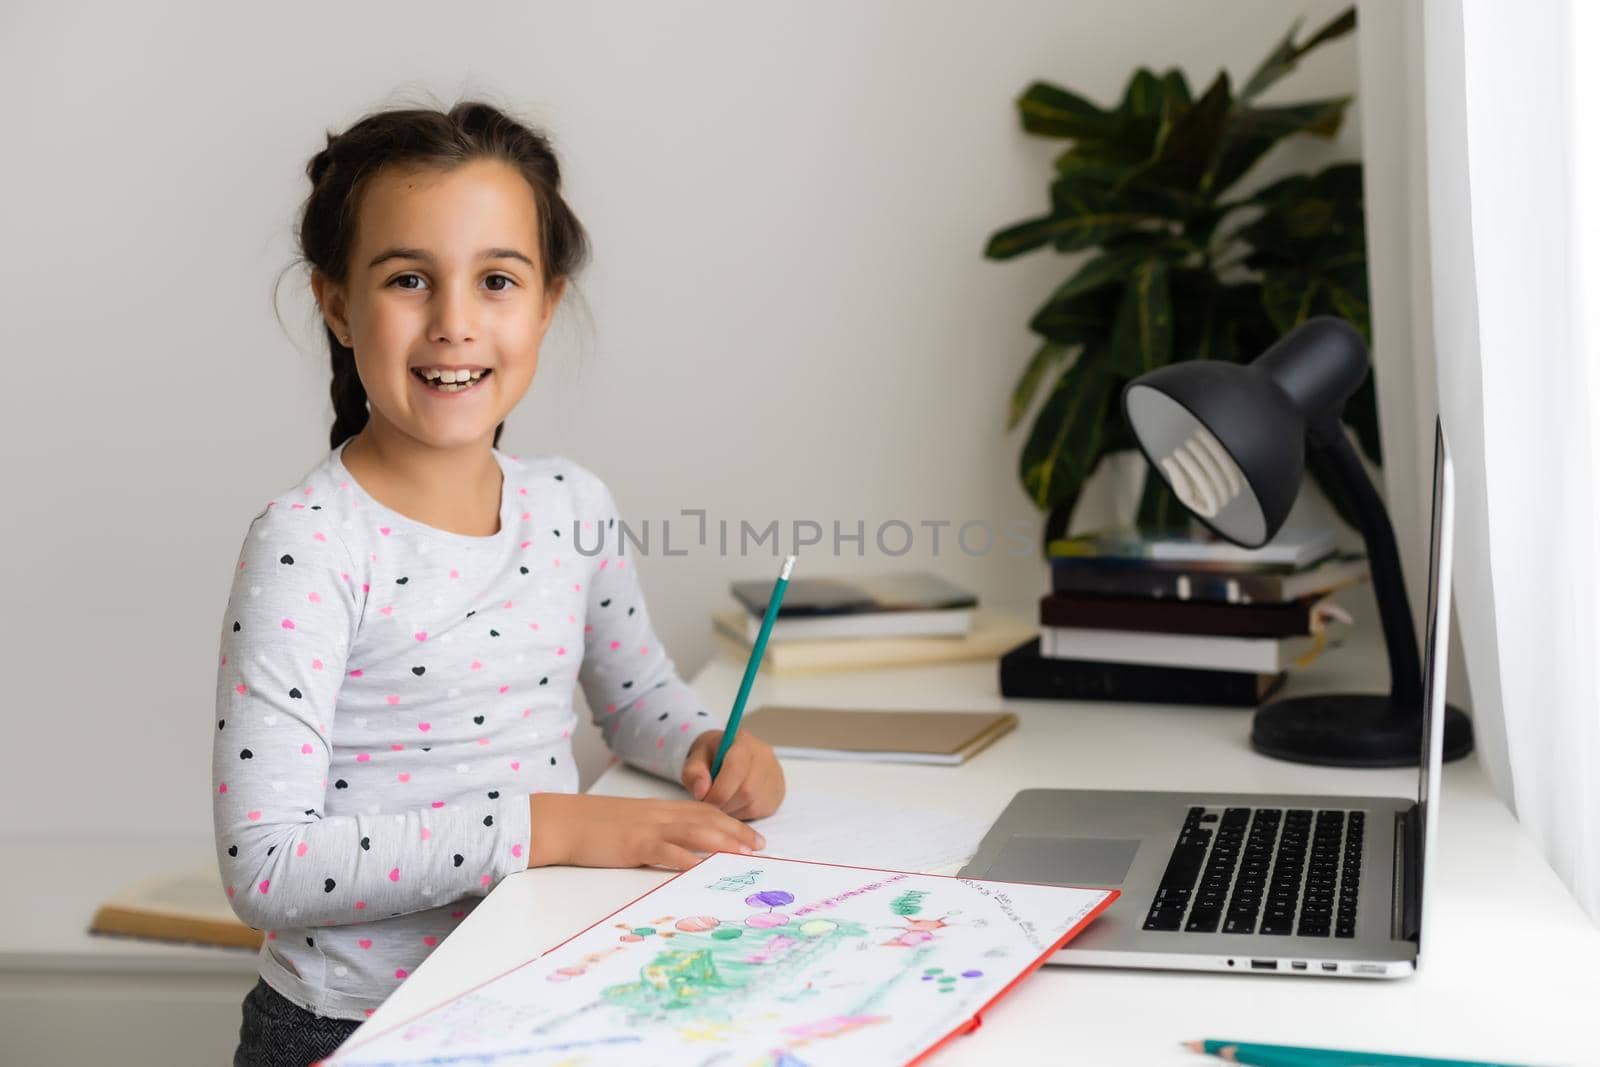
(1508,959)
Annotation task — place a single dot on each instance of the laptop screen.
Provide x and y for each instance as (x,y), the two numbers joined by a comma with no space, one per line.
(1438,645)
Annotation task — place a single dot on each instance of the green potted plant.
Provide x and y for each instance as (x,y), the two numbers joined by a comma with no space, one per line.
(1183,267)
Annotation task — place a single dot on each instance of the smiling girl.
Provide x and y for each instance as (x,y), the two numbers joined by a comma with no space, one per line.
(407,625)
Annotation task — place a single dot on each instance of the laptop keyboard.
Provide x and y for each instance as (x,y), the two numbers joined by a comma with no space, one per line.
(1262,871)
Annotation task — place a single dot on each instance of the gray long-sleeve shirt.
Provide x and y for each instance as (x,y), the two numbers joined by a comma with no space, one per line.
(389,694)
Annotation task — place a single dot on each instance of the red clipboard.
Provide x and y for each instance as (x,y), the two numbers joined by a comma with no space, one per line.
(961,1029)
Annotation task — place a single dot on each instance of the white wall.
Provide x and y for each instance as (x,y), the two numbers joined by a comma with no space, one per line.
(789,313)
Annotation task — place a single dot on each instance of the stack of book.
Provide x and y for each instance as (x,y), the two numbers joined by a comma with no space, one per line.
(879,620)
(1181,617)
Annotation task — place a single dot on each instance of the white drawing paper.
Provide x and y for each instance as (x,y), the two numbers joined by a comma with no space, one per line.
(750,961)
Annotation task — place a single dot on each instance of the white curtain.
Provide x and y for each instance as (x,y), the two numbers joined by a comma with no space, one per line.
(1507,168)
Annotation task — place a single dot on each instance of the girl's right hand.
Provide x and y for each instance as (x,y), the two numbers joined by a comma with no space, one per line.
(581,830)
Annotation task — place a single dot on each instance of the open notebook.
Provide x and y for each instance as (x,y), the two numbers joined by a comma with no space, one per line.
(753,960)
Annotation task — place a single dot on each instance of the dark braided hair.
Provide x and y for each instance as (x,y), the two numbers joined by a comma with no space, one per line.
(469,131)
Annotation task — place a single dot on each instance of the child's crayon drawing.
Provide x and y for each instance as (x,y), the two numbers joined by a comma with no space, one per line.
(795,972)
(732,883)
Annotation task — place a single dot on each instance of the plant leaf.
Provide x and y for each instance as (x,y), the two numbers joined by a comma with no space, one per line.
(1282,59)
(1251,132)
(1050,111)
(1143,96)
(1186,151)
(1105,269)
(1064,444)
(1086,318)
(1049,356)
(1026,236)
(1141,340)
(1096,212)
(1176,88)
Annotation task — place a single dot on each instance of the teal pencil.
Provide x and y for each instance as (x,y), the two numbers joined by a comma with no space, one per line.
(750,668)
(1291,1056)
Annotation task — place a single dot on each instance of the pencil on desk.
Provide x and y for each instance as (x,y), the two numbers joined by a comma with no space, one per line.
(1291,1056)
(750,669)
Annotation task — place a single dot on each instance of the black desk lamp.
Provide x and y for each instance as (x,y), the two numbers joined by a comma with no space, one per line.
(1230,441)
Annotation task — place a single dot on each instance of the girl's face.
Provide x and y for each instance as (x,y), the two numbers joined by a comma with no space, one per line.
(445,272)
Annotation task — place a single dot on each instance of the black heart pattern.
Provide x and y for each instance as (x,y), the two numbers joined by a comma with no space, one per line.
(221,723)
(310,943)
(271,849)
(366,844)
(419,671)
(494,794)
(478,719)
(524,570)
(544,681)
(488,820)
(627,684)
(341,784)
(459,859)
(295,693)
(327,886)
(561,477)
(630,611)
(401,581)
(552,761)
(286,558)
(663,716)
(245,753)
(606,603)
(494,633)
(233,850)
(236,627)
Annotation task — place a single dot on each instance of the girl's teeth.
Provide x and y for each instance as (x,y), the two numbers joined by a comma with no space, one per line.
(438,384)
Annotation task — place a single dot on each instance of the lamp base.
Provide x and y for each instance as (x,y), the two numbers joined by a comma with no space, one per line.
(1352,730)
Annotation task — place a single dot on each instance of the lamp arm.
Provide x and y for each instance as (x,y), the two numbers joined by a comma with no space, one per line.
(1394,607)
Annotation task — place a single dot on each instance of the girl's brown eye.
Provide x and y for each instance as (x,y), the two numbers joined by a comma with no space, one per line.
(509,282)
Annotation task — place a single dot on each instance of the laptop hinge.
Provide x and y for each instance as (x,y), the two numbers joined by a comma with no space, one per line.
(1406,923)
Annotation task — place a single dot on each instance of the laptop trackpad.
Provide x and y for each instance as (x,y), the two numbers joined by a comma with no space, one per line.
(1085,861)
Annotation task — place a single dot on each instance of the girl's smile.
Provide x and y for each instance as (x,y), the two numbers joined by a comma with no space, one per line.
(449,384)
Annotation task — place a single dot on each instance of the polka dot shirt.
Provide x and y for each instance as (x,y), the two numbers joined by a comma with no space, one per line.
(389,694)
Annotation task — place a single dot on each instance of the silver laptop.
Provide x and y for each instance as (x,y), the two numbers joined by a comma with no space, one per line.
(1249,882)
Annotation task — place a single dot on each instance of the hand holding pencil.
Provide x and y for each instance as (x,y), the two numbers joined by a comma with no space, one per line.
(751,784)
(743,777)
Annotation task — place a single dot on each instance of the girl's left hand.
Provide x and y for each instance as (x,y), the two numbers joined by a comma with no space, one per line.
(751,783)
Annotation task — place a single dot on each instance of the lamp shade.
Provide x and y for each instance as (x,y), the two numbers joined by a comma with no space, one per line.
(1230,439)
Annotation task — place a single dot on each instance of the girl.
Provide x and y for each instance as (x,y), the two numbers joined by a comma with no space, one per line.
(406,625)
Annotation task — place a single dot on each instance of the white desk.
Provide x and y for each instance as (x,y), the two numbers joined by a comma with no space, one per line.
(1510,968)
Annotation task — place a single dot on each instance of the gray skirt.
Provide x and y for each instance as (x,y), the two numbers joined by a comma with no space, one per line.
(276,1032)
